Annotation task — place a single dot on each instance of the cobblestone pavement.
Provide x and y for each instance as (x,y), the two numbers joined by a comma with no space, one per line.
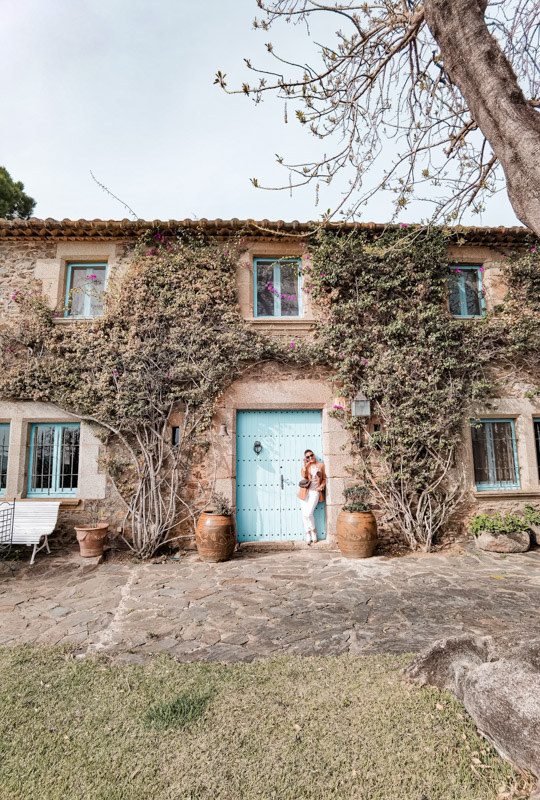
(261,604)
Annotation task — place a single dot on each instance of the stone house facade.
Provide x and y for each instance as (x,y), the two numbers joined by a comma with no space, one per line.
(286,409)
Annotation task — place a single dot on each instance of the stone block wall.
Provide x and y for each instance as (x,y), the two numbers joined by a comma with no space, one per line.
(40,264)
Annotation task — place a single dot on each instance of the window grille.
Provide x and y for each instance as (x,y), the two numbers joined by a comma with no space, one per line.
(277,290)
(54,460)
(495,454)
(4,447)
(84,290)
(466,292)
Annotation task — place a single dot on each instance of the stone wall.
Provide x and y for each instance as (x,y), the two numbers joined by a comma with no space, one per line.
(41,265)
(18,261)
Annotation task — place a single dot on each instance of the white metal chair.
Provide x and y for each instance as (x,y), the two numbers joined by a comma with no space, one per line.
(33,520)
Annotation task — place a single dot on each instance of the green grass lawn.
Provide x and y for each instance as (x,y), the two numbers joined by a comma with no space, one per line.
(290,728)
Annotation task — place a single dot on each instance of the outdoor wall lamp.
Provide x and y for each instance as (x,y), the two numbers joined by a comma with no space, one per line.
(223,430)
(361,407)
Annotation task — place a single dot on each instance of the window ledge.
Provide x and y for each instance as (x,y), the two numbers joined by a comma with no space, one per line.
(502,493)
(65,502)
(71,320)
(282,320)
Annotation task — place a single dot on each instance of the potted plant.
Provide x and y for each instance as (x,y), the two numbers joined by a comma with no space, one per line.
(216,530)
(356,525)
(498,534)
(91,537)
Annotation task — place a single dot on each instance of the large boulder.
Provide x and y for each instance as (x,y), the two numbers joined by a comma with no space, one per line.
(517,542)
(535,533)
(498,681)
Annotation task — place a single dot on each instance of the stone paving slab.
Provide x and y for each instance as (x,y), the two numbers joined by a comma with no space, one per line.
(260,604)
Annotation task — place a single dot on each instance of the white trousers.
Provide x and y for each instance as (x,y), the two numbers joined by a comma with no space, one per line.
(308,509)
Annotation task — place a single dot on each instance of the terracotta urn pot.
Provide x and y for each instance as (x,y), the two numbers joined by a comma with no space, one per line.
(356,534)
(216,537)
(92,538)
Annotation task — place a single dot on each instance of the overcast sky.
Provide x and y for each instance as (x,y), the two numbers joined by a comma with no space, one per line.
(125,88)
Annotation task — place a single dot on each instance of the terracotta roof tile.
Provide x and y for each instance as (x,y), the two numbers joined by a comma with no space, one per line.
(114,229)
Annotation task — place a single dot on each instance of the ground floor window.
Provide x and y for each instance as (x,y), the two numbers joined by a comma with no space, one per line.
(54,460)
(537,440)
(495,454)
(4,446)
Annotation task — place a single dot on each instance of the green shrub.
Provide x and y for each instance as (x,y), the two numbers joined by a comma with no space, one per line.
(532,515)
(497,525)
(356,497)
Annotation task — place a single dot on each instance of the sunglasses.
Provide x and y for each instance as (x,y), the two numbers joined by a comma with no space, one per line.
(311,456)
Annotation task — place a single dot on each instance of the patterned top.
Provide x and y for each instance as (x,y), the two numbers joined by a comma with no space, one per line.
(315,482)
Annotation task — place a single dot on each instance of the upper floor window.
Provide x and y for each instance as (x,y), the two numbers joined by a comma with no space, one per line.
(277,287)
(84,289)
(4,447)
(537,441)
(495,454)
(466,291)
(54,460)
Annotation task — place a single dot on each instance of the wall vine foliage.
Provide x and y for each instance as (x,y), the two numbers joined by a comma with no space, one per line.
(171,337)
(390,334)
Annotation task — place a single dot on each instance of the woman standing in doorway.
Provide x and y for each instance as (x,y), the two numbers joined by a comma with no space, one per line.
(312,493)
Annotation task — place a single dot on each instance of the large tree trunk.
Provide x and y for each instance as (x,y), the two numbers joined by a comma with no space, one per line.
(477,66)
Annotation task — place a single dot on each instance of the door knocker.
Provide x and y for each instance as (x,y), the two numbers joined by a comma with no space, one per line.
(257,447)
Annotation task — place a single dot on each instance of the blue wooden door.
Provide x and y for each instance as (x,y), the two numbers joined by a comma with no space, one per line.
(267,508)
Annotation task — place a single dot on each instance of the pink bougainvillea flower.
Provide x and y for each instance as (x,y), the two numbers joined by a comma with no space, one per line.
(322,276)
(341,426)
(292,344)
(450,395)
(403,224)
(533,249)
(339,407)
(115,373)
(458,270)
(480,269)
(502,255)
